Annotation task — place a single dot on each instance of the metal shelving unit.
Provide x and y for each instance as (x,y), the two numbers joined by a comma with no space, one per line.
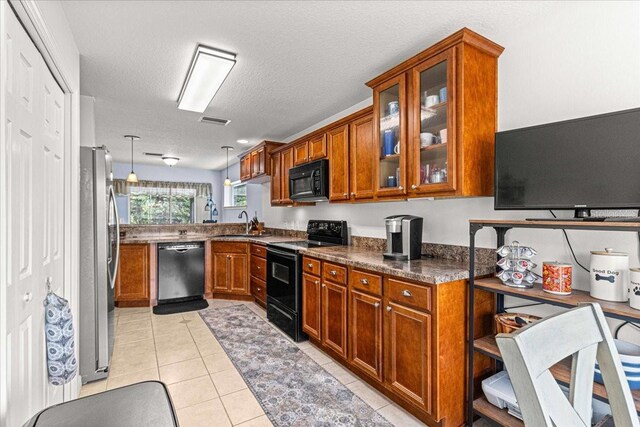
(487,345)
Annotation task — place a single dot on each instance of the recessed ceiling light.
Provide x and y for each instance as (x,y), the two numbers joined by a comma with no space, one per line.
(242,141)
(208,70)
(170,160)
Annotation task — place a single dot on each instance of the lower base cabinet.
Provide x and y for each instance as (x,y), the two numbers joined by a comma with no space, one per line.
(365,333)
(334,317)
(133,280)
(406,339)
(311,302)
(230,262)
(408,353)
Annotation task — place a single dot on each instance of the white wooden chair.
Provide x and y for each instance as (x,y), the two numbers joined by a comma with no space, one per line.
(582,333)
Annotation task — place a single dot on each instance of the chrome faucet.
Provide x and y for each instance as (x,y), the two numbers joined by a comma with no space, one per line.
(246,215)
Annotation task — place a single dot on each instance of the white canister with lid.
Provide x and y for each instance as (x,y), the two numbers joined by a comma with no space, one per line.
(609,272)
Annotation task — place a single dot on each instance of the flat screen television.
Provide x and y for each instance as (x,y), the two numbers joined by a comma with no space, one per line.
(581,164)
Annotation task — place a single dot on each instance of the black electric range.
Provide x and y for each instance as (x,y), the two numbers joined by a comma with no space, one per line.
(284,274)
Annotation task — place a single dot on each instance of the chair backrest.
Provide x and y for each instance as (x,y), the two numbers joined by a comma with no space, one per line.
(582,333)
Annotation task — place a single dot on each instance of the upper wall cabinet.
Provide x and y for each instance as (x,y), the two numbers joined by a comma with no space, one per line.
(434,120)
(255,164)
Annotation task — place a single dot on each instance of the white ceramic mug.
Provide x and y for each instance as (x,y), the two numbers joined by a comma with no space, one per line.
(396,149)
(431,100)
(634,288)
(426,139)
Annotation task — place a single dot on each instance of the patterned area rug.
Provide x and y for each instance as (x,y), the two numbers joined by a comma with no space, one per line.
(291,387)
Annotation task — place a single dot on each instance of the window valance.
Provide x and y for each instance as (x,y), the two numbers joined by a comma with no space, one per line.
(202,189)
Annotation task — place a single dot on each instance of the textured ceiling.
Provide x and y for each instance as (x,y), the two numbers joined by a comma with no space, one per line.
(297,63)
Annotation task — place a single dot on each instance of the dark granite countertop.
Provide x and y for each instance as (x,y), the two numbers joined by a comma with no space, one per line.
(203,238)
(428,270)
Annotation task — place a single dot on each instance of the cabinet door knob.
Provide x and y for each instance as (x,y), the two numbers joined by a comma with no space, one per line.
(400,187)
(333,272)
(258,267)
(413,187)
(376,305)
(259,289)
(317,282)
(324,286)
(388,308)
(345,194)
(364,281)
(353,194)
(309,265)
(406,293)
(28,296)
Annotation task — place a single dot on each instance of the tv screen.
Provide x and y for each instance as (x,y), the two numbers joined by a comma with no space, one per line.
(587,163)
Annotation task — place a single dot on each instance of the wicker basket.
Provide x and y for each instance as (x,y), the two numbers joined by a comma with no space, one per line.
(506,322)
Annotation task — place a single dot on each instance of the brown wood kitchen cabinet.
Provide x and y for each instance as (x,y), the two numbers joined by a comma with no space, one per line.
(435,118)
(407,339)
(230,265)
(300,153)
(258,272)
(318,147)
(338,143)
(362,158)
(133,280)
(276,178)
(255,164)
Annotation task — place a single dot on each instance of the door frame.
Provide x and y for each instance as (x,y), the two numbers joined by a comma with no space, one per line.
(30,16)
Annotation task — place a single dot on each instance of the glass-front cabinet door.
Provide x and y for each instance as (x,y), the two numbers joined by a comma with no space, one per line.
(390,107)
(432,161)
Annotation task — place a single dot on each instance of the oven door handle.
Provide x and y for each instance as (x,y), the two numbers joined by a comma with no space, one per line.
(286,255)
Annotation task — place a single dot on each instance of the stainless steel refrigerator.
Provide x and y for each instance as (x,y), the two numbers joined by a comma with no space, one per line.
(99,255)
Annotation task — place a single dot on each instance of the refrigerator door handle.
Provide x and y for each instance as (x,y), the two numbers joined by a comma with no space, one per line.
(116,260)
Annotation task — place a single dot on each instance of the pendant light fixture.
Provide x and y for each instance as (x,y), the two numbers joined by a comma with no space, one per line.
(133,178)
(227,181)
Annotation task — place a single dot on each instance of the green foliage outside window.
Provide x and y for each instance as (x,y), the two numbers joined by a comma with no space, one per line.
(160,208)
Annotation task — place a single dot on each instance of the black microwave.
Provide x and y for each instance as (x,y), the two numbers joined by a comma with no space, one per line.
(310,182)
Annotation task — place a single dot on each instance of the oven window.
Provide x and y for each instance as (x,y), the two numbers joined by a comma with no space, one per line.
(280,272)
(301,185)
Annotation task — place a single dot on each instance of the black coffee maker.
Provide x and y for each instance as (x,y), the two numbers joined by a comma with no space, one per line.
(404,237)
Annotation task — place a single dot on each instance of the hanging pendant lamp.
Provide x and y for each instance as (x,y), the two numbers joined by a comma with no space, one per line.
(133,178)
(227,181)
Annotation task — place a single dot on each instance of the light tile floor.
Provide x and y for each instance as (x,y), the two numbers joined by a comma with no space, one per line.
(205,387)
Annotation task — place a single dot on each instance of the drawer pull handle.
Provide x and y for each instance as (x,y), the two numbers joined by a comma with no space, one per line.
(364,281)
(309,265)
(406,293)
(333,272)
(376,305)
(388,308)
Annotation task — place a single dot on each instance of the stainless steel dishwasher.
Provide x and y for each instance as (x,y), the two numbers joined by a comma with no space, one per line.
(180,271)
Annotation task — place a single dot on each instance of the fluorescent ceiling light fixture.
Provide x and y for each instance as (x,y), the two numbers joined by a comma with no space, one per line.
(242,141)
(170,160)
(209,68)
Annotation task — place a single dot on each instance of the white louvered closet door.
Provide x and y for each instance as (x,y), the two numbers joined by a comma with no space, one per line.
(34,106)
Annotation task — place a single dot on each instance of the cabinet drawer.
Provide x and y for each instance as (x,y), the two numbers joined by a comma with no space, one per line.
(311,266)
(258,250)
(259,289)
(259,267)
(334,273)
(365,281)
(229,247)
(408,293)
